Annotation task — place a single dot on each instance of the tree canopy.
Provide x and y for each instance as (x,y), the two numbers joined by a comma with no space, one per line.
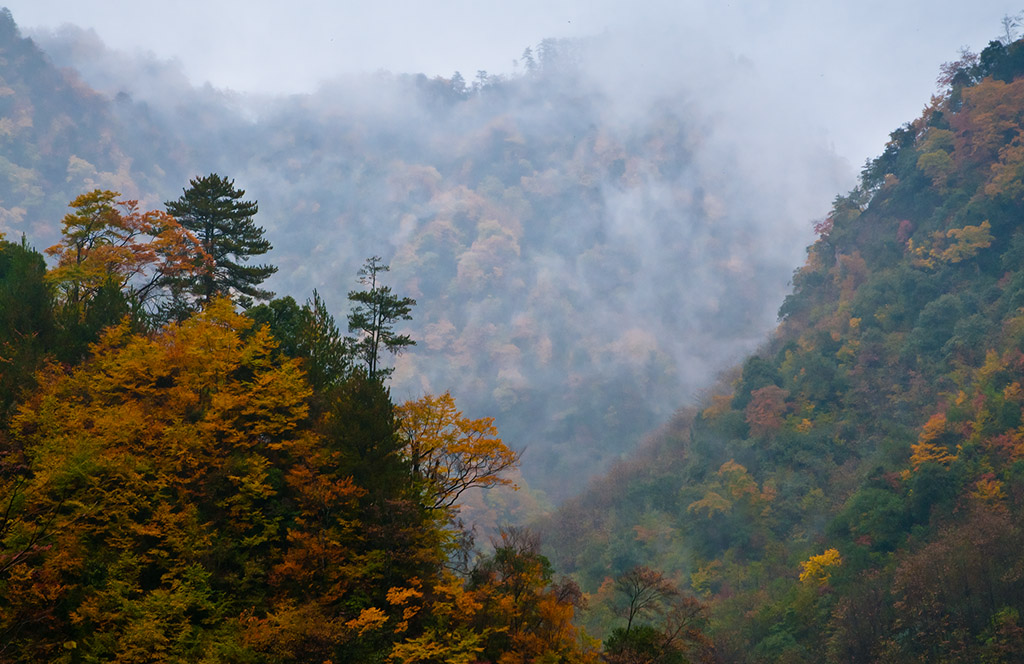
(376,311)
(213,209)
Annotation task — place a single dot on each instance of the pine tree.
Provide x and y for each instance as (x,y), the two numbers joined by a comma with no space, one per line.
(320,343)
(374,316)
(26,319)
(213,209)
(310,333)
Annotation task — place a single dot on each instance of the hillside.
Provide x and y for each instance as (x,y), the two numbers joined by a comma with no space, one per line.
(853,492)
(585,252)
(60,138)
(528,215)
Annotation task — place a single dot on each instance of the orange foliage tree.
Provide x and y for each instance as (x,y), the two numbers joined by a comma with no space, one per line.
(109,241)
(153,469)
(526,616)
(926,449)
(766,408)
(451,453)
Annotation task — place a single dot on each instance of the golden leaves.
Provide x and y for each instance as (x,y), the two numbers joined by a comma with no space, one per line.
(452,453)
(368,620)
(954,246)
(926,450)
(818,569)
(733,485)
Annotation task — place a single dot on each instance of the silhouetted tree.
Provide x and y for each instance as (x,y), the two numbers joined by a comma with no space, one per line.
(213,209)
(374,316)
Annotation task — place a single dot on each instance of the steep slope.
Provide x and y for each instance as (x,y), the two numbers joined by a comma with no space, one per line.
(855,493)
(528,215)
(59,138)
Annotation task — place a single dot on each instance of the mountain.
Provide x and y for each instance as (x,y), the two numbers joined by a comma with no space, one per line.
(589,241)
(60,138)
(586,250)
(853,492)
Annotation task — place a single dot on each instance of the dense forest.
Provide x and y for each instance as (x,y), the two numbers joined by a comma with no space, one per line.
(195,468)
(854,491)
(181,482)
(529,215)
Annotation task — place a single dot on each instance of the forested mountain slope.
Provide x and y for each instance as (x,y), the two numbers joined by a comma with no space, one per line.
(588,240)
(200,490)
(193,493)
(60,138)
(855,492)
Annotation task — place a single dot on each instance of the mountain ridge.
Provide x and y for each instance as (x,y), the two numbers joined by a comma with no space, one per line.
(853,492)
(528,215)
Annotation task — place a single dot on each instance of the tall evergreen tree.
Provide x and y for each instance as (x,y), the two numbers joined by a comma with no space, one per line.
(26,319)
(310,333)
(374,316)
(213,209)
(327,356)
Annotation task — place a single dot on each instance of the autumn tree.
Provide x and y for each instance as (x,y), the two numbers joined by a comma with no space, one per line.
(107,243)
(646,591)
(212,208)
(764,412)
(678,636)
(451,633)
(156,475)
(451,453)
(373,318)
(510,611)
(530,614)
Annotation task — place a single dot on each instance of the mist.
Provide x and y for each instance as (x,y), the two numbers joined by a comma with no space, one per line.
(591,236)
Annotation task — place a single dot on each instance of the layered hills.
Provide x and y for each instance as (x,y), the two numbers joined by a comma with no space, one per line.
(587,244)
(853,491)
(584,261)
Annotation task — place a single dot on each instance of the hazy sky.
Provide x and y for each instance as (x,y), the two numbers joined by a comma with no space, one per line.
(858,69)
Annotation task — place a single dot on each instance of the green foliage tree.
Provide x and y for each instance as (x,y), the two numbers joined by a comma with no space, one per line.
(677,638)
(376,311)
(283,316)
(757,373)
(213,209)
(328,358)
(643,644)
(361,425)
(308,332)
(26,319)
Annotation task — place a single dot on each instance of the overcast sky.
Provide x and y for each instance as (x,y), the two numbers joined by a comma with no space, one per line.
(857,69)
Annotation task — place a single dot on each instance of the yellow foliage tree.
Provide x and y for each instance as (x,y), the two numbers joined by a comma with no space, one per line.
(989,490)
(953,246)
(818,569)
(732,485)
(451,453)
(153,466)
(926,450)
